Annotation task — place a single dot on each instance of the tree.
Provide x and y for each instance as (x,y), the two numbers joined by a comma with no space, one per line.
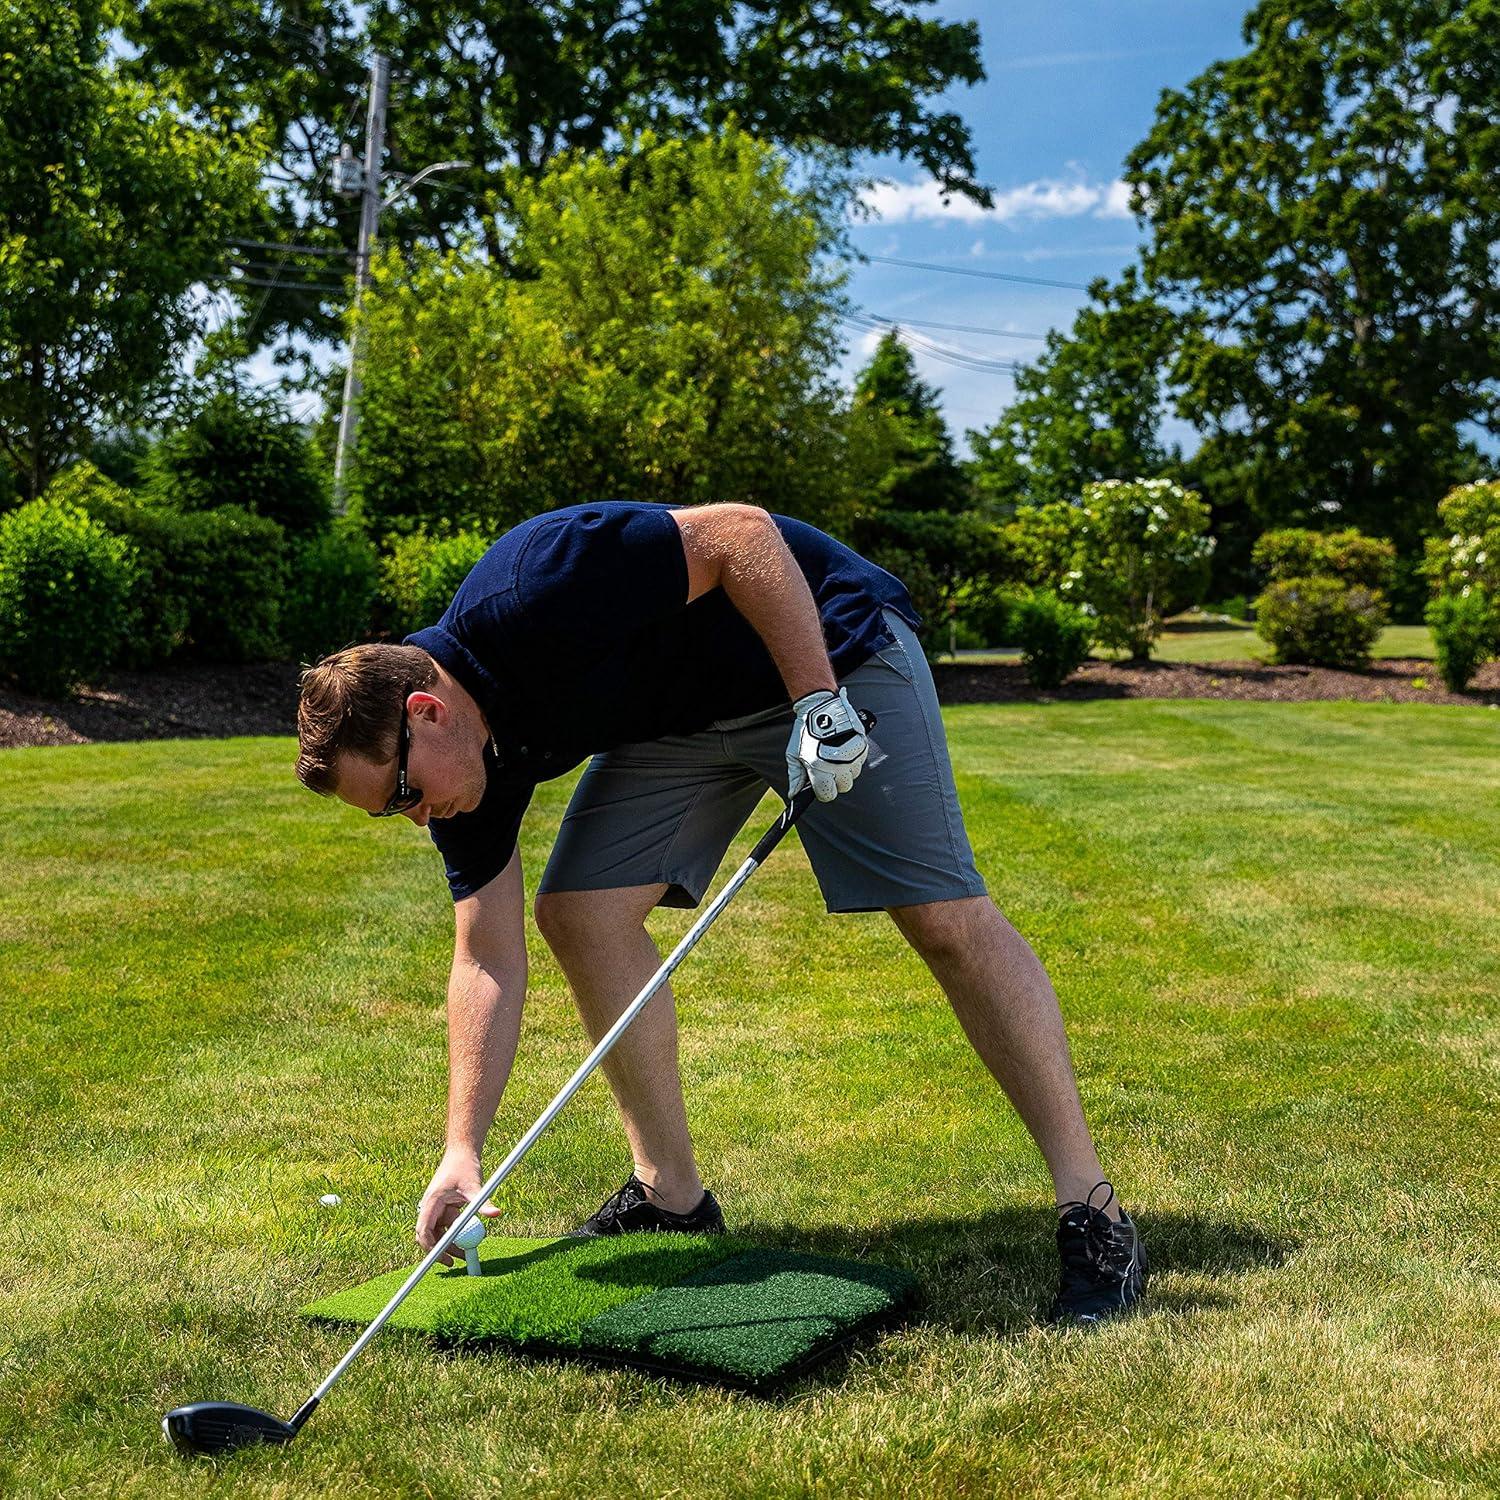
(669,338)
(915,515)
(1088,409)
(514,84)
(1327,205)
(921,472)
(111,208)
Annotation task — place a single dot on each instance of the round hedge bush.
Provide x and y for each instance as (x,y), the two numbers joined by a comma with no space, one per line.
(420,576)
(65,588)
(1321,622)
(1054,637)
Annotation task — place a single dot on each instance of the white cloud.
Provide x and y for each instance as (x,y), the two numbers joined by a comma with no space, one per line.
(1045,198)
(1116,203)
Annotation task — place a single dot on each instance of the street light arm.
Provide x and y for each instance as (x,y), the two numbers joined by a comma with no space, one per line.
(411,182)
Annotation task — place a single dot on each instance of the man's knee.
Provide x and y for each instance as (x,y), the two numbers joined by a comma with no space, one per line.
(947,931)
(568,919)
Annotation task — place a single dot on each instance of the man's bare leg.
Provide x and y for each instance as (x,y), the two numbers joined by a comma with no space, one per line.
(1008,1009)
(601,942)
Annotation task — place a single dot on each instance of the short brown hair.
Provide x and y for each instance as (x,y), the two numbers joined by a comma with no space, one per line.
(351,704)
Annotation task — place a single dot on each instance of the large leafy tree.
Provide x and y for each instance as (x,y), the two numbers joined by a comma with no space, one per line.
(669,338)
(915,513)
(1327,208)
(513,84)
(111,207)
(1088,409)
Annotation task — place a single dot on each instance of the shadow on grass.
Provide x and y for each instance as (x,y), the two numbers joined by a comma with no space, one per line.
(997,1273)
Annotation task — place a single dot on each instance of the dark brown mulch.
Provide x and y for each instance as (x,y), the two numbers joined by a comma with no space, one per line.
(199,702)
(188,703)
(1395,680)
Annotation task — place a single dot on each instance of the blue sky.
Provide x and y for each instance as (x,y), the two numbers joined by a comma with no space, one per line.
(1072,85)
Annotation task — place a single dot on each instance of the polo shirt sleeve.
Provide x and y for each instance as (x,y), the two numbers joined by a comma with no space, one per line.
(477,846)
(598,572)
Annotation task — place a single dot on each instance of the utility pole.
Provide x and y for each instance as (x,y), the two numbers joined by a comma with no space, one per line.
(380,83)
(353,179)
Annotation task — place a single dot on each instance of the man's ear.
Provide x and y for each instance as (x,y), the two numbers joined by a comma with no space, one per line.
(428,707)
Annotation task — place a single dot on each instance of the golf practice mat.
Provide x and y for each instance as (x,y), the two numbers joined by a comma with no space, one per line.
(704,1307)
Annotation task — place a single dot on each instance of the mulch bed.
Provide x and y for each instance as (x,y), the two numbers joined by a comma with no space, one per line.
(1393,680)
(211,702)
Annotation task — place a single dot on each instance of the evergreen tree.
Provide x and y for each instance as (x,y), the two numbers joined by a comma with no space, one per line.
(921,472)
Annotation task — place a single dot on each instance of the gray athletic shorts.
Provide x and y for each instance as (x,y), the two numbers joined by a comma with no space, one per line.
(664,811)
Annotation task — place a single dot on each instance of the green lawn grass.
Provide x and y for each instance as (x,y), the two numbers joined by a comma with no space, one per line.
(1273,928)
(1192,638)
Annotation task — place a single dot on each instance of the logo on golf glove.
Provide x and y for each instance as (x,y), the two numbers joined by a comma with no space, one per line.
(828,745)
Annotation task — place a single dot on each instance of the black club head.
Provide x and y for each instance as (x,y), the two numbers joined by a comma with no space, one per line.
(207,1428)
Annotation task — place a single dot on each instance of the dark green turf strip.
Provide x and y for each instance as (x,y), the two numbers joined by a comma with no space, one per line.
(755,1318)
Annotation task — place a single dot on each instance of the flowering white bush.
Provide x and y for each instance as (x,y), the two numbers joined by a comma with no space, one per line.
(1141,547)
(1467,555)
(1463,566)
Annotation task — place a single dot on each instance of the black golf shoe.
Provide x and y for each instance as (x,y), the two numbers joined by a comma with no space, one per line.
(1103,1263)
(631,1211)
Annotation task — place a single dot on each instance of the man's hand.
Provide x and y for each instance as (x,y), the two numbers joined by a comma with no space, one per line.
(828,745)
(454,1186)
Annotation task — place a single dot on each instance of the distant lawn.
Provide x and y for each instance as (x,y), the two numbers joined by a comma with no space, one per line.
(1273,930)
(1191,638)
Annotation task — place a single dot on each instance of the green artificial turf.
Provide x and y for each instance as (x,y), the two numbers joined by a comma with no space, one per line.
(700,1305)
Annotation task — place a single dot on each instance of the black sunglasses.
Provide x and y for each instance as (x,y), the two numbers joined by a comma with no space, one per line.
(405,797)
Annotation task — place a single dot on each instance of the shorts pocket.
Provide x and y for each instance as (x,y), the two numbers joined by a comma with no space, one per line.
(895,657)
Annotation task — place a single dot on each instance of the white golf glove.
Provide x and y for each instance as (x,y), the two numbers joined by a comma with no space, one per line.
(828,745)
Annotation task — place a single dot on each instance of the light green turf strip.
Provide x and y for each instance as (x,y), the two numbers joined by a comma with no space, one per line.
(757,1317)
(532,1291)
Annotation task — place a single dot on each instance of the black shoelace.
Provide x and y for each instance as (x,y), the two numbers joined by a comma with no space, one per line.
(1096,1254)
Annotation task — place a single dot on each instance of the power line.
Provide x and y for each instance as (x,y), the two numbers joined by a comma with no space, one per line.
(999,333)
(967,359)
(279,245)
(922,265)
(285,286)
(271,285)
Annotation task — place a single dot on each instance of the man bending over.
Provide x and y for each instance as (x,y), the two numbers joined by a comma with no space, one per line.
(698,656)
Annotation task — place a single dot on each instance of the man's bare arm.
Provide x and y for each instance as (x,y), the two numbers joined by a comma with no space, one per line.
(738,548)
(486,991)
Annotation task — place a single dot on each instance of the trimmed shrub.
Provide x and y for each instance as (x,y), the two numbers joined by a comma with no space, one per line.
(241,449)
(230,566)
(206,586)
(1348,556)
(333,579)
(64,597)
(1321,622)
(420,576)
(1053,635)
(1466,632)
(1467,554)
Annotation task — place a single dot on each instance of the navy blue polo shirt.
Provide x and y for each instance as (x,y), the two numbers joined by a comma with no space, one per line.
(574,634)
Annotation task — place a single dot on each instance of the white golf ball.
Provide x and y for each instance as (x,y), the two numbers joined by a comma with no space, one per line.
(329,1200)
(471,1236)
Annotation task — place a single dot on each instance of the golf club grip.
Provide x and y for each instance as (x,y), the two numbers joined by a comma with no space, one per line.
(777,831)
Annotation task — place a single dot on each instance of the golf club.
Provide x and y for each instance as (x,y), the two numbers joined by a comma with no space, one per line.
(209,1428)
